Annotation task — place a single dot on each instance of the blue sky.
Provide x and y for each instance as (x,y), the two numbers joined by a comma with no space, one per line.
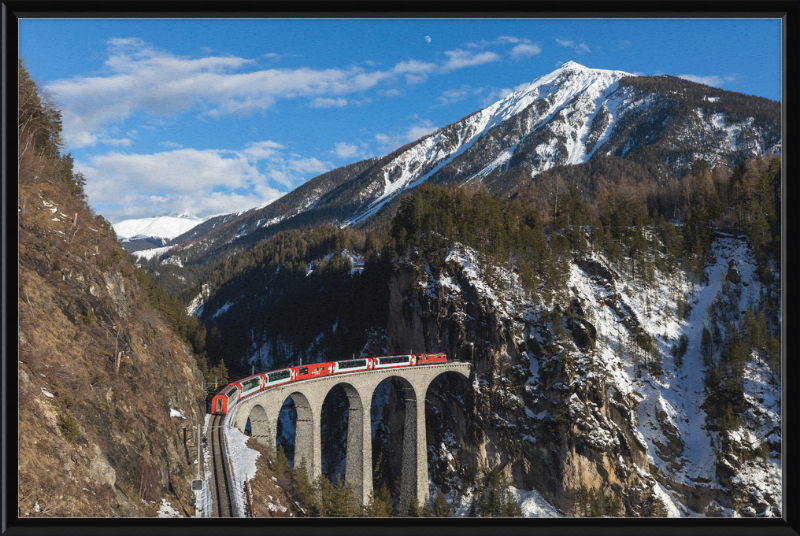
(210,116)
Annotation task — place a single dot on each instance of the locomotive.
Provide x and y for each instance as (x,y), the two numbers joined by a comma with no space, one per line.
(241,389)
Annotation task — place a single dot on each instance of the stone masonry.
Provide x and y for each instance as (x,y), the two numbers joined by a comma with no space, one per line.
(308,396)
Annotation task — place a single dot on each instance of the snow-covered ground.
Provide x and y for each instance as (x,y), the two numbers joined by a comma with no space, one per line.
(530,502)
(204,497)
(150,253)
(166,510)
(241,460)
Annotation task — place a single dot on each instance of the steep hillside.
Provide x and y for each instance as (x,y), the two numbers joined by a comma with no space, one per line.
(108,394)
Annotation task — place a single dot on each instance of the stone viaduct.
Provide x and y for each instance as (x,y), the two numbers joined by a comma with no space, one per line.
(308,396)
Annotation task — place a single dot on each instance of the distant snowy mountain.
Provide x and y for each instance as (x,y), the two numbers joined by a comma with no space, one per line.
(158,227)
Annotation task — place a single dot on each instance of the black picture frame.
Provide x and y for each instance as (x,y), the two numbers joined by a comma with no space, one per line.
(13,10)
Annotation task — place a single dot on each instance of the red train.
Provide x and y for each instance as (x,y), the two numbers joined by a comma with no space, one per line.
(240,389)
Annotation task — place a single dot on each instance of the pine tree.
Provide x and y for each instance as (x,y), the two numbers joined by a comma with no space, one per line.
(473,507)
(281,465)
(657,508)
(305,489)
(343,503)
(326,504)
(510,506)
(440,508)
(413,507)
(380,504)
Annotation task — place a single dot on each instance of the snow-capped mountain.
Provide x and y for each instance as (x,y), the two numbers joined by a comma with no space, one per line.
(562,105)
(564,120)
(156,227)
(155,232)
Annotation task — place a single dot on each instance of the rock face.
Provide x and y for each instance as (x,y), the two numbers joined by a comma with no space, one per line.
(581,434)
(557,412)
(100,374)
(733,274)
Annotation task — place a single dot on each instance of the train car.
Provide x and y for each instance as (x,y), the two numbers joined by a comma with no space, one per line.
(250,385)
(394,361)
(225,399)
(314,370)
(429,359)
(353,365)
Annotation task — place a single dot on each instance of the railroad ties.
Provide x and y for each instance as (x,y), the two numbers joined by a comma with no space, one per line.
(221,489)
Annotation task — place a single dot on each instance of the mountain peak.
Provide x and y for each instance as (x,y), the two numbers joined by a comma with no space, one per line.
(572,65)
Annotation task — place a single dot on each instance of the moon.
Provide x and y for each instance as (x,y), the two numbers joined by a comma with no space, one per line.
(427,38)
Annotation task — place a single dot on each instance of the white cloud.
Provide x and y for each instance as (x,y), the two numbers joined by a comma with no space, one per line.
(417,131)
(260,150)
(502,40)
(458,59)
(137,78)
(453,95)
(307,166)
(170,145)
(390,142)
(577,47)
(524,50)
(136,205)
(323,102)
(281,177)
(116,142)
(199,181)
(709,80)
(498,94)
(345,150)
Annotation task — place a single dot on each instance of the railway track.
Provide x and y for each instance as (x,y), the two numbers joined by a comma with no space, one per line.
(223,496)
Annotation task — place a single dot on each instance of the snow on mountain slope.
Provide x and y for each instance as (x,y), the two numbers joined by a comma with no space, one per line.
(672,419)
(158,227)
(683,449)
(565,101)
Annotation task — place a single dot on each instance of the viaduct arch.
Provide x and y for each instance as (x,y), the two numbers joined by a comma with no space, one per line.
(308,396)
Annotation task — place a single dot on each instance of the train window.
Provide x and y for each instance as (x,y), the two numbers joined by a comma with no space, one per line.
(395,359)
(233,394)
(250,384)
(352,364)
(303,370)
(280,375)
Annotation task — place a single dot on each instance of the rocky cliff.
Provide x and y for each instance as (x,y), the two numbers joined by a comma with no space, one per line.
(108,394)
(582,393)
